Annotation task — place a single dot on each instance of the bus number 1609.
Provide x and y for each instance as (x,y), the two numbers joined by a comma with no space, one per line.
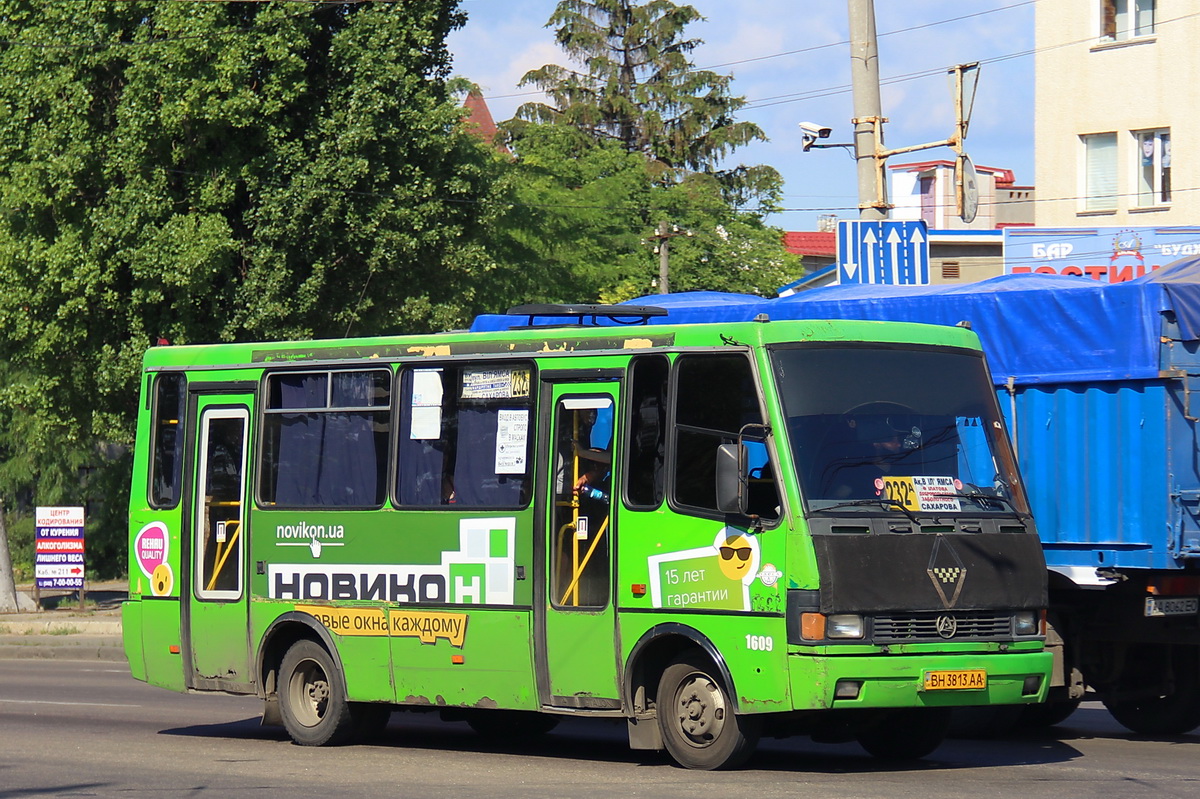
(760,643)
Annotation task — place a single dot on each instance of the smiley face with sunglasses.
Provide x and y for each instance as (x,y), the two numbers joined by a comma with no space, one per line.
(737,555)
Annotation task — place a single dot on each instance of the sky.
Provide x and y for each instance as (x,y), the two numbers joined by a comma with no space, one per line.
(790,60)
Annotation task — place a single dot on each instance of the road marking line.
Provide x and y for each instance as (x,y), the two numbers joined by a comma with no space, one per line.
(73,704)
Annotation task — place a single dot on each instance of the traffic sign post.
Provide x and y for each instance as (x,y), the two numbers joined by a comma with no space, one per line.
(883,252)
(59,558)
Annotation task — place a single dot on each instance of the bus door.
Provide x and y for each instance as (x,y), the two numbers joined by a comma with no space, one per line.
(576,656)
(216,619)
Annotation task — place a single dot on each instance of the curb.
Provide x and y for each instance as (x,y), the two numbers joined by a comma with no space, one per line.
(105,648)
(68,626)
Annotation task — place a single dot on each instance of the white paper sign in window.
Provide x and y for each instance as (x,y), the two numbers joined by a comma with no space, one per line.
(512,437)
(426,407)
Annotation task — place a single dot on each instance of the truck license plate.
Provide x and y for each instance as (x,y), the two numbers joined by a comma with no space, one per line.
(1173,606)
(957,680)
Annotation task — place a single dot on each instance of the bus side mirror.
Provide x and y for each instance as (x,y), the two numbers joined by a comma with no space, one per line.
(731,478)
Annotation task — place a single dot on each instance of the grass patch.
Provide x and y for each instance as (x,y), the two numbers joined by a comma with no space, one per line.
(63,631)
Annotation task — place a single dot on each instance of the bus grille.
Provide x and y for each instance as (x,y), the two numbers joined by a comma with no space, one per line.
(924,627)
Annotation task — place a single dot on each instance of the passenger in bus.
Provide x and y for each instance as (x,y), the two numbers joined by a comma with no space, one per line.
(595,458)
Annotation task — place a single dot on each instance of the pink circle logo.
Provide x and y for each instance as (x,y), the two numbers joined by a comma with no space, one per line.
(150,547)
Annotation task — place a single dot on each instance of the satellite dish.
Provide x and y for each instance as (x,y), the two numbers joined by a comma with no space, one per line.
(966,183)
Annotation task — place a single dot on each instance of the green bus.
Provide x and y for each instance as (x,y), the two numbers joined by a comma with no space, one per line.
(712,531)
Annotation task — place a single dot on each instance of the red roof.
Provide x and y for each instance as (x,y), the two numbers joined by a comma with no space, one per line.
(1004,177)
(811,243)
(479,121)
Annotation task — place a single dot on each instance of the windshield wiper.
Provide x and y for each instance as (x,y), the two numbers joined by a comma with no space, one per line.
(882,502)
(983,500)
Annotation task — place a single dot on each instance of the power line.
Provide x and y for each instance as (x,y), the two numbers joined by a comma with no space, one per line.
(844,42)
(902,78)
(812,49)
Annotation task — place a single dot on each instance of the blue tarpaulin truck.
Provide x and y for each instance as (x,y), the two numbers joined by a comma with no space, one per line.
(1101,387)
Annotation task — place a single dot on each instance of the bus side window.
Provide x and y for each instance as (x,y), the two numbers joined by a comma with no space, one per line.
(464,436)
(647,436)
(170,400)
(491,461)
(763,492)
(715,396)
(325,439)
(423,473)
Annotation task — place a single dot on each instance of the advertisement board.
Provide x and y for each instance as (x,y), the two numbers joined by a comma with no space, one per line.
(1106,254)
(59,547)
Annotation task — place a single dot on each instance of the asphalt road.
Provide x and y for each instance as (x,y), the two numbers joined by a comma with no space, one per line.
(73,728)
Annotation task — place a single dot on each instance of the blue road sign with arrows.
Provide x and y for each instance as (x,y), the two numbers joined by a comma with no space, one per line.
(883,251)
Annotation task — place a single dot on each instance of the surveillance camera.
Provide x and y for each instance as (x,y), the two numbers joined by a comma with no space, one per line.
(812,128)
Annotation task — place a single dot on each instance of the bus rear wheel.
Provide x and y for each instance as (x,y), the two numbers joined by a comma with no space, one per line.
(312,700)
(696,718)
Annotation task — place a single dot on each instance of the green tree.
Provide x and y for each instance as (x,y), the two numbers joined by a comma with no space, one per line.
(204,172)
(577,208)
(637,85)
(584,211)
(714,247)
(634,137)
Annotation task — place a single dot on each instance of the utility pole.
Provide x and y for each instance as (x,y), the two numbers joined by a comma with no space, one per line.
(664,258)
(868,110)
(869,153)
(662,239)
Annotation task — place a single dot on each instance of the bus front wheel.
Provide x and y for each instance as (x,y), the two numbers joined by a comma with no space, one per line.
(312,700)
(699,728)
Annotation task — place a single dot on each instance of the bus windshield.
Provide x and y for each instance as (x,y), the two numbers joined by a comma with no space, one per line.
(903,429)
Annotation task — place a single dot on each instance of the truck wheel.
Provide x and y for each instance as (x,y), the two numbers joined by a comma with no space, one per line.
(696,718)
(1160,715)
(1172,714)
(907,734)
(312,699)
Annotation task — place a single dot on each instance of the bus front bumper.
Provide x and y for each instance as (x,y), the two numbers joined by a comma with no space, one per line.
(925,680)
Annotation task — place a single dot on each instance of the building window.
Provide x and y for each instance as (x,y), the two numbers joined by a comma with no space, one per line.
(1153,167)
(1100,172)
(1126,19)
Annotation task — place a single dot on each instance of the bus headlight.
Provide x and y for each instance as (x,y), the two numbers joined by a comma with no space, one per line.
(844,625)
(1025,622)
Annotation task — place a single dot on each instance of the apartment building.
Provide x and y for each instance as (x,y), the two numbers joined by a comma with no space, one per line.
(1116,112)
